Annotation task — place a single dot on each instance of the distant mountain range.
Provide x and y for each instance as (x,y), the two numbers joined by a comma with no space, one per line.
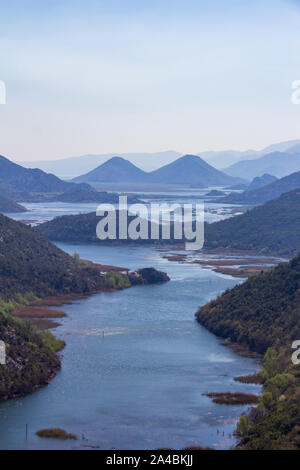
(189,169)
(68,168)
(278,164)
(15,178)
(265,193)
(18,184)
(224,158)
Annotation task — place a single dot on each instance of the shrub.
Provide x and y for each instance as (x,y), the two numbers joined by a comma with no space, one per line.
(56,433)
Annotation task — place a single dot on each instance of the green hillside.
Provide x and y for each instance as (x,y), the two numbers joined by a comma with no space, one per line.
(263,314)
(270,228)
(29,263)
(30,362)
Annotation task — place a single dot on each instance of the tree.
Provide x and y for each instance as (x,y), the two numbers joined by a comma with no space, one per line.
(243,426)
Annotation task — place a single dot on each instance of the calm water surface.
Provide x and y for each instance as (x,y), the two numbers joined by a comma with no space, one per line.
(135,366)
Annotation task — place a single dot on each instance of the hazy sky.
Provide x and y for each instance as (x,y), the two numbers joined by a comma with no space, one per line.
(133,75)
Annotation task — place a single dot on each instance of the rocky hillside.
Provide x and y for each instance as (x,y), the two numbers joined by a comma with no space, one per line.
(31,361)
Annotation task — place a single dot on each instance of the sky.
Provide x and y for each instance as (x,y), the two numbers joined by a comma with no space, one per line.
(119,76)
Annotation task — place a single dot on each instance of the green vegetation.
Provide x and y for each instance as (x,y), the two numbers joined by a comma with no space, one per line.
(56,433)
(29,263)
(274,424)
(117,280)
(243,427)
(30,363)
(263,315)
(260,313)
(272,228)
(51,342)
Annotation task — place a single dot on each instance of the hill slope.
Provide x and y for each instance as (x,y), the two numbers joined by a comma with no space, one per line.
(191,169)
(7,205)
(266,193)
(75,166)
(261,312)
(278,164)
(225,158)
(270,228)
(263,315)
(81,228)
(115,170)
(260,181)
(16,178)
(30,264)
(185,170)
(30,362)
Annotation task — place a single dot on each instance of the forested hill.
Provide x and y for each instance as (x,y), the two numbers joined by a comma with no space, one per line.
(273,228)
(30,264)
(81,228)
(7,205)
(263,314)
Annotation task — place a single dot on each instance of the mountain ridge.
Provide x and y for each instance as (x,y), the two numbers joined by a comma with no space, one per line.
(265,193)
(187,169)
(15,178)
(279,164)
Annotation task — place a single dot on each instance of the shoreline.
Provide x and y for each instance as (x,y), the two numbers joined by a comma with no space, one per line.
(231,264)
(39,309)
(41,316)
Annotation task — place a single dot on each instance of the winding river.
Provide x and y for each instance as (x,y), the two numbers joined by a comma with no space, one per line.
(136,366)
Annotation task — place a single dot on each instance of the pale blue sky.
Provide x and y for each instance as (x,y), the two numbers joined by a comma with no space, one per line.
(127,76)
